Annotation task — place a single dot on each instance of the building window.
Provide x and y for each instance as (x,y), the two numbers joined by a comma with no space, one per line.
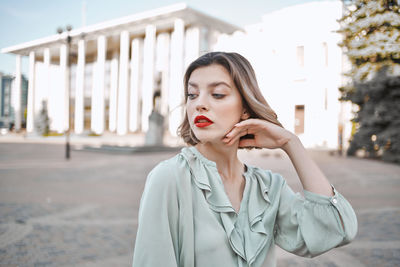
(299,119)
(300,56)
(325,48)
(326,99)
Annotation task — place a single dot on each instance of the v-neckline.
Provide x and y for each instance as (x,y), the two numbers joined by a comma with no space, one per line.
(243,193)
(214,165)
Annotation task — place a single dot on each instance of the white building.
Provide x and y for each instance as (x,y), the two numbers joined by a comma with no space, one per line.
(12,103)
(117,66)
(299,68)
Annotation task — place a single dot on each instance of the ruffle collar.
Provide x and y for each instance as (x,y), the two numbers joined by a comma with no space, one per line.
(205,175)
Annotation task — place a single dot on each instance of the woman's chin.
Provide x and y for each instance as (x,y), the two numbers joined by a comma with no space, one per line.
(210,136)
(209,140)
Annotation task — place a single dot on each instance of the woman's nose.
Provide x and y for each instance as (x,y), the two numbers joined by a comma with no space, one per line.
(201,104)
(201,107)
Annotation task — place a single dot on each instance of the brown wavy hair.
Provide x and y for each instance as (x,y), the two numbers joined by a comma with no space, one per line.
(243,76)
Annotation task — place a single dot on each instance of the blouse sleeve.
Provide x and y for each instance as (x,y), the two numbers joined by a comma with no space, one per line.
(312,225)
(156,240)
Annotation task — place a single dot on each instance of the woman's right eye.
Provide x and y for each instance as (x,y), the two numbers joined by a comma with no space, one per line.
(191,96)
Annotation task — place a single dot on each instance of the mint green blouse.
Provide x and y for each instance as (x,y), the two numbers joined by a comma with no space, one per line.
(187,220)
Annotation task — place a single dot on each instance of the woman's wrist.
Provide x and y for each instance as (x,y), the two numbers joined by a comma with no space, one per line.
(293,141)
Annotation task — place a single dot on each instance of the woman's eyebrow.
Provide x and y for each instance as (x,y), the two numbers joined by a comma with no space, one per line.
(193,84)
(214,84)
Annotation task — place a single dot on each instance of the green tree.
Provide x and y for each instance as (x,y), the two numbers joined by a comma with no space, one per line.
(371,41)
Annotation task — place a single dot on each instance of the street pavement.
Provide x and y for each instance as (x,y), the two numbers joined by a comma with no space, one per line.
(83,212)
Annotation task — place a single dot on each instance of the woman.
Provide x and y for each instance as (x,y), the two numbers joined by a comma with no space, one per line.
(204,207)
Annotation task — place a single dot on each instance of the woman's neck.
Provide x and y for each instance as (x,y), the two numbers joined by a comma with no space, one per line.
(228,164)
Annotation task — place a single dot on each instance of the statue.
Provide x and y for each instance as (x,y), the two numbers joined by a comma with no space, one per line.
(155,133)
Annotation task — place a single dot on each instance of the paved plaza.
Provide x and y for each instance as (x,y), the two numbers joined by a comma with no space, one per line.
(83,212)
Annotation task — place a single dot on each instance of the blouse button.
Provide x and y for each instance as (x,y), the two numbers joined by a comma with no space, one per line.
(334,201)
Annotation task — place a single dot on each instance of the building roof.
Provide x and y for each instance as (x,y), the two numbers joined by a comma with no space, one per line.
(162,18)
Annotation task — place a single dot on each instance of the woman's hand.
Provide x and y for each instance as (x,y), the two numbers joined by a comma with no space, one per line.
(266,134)
(269,135)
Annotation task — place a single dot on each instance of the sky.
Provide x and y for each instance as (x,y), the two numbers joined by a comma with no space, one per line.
(26,20)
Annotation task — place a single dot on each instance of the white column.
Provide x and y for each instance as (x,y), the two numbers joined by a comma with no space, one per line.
(17,95)
(134,119)
(79,88)
(148,75)
(122,115)
(47,92)
(175,97)
(162,66)
(192,45)
(1,95)
(62,96)
(30,116)
(47,62)
(97,114)
(113,93)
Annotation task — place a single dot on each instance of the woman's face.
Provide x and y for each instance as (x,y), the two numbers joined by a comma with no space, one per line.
(213,94)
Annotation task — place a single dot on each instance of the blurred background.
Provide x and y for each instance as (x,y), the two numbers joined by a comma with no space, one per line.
(91,96)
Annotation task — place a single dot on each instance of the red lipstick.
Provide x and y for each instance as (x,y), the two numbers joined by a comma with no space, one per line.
(202,121)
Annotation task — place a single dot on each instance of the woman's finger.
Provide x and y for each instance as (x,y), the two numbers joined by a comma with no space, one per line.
(233,132)
(237,135)
(233,139)
(249,123)
(247,143)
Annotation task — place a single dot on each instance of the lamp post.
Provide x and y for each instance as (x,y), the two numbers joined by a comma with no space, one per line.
(60,30)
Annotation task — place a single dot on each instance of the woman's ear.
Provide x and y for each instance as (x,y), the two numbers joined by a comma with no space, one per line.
(245,115)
